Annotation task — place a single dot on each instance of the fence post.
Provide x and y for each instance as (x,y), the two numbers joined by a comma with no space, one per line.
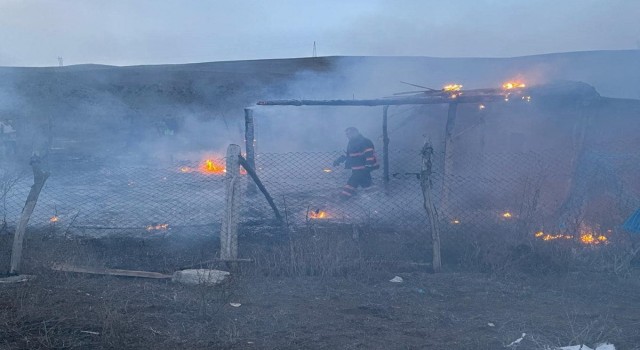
(249,141)
(39,178)
(229,228)
(427,186)
(448,156)
(385,146)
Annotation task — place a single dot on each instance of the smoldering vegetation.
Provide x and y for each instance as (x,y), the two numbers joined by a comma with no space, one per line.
(534,185)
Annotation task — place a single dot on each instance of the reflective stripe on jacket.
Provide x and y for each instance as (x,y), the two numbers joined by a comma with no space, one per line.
(361,154)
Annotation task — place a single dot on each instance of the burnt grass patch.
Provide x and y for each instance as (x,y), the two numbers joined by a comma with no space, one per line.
(323,287)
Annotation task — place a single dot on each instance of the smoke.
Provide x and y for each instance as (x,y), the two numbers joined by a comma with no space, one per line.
(182,113)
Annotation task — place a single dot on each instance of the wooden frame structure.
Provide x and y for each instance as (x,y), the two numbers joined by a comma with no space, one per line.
(451,97)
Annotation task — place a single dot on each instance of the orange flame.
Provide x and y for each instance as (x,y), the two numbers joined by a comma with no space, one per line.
(586,237)
(513,85)
(452,87)
(507,215)
(210,166)
(318,214)
(54,219)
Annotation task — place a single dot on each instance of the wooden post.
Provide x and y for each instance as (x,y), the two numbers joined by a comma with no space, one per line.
(229,229)
(39,178)
(448,156)
(263,189)
(429,206)
(385,146)
(249,141)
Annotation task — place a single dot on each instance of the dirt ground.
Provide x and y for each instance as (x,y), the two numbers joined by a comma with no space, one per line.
(339,298)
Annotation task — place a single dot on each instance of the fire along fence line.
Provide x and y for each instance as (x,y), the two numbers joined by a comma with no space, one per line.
(152,199)
(531,187)
(483,190)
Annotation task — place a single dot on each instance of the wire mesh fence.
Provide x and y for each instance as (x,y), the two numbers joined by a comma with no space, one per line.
(543,190)
(110,197)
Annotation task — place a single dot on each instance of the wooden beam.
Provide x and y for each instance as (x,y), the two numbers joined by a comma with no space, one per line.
(249,141)
(245,164)
(110,272)
(385,145)
(386,101)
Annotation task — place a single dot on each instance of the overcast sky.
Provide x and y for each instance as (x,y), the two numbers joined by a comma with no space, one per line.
(118,32)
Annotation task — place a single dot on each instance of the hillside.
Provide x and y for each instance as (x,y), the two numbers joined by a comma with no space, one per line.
(98,101)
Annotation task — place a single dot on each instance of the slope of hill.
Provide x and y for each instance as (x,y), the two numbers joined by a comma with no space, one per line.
(94,101)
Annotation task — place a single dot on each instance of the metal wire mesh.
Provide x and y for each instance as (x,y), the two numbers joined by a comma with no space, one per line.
(132,198)
(542,189)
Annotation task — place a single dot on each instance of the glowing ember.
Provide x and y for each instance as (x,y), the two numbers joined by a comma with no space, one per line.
(210,166)
(482,107)
(326,170)
(186,169)
(507,215)
(452,87)
(585,237)
(526,98)
(54,219)
(159,227)
(549,237)
(513,85)
(455,221)
(318,214)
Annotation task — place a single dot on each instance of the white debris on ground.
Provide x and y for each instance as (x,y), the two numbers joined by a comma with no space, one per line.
(199,276)
(604,346)
(396,279)
(517,341)
(235,304)
(17,279)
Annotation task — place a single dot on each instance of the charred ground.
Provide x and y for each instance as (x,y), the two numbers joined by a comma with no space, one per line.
(319,287)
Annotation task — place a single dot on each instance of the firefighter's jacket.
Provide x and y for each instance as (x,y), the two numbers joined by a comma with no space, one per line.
(361,155)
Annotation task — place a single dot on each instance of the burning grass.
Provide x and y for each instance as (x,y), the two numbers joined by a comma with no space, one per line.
(211,166)
(318,214)
(587,236)
(511,85)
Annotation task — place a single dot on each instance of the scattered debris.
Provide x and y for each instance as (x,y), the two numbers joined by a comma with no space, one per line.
(17,279)
(603,346)
(199,276)
(191,277)
(396,279)
(90,332)
(517,341)
(235,304)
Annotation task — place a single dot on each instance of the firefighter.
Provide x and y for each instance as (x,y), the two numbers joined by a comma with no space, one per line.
(361,159)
